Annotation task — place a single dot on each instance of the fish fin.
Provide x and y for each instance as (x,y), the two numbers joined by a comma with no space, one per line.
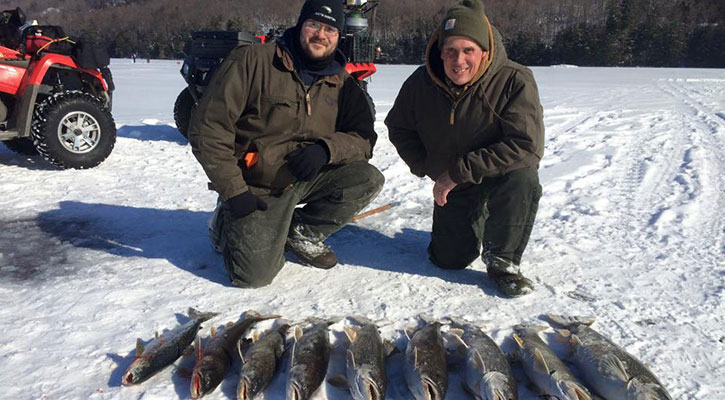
(292,354)
(569,321)
(519,341)
(298,333)
(351,333)
(478,360)
(339,382)
(540,362)
(139,347)
(563,333)
(212,331)
(350,357)
(197,344)
(389,347)
(456,331)
(410,331)
(457,337)
(577,391)
(611,366)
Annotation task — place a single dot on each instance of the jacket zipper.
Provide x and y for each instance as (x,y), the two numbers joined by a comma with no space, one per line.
(308,102)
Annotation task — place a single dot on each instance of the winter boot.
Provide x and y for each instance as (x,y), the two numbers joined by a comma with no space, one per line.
(509,279)
(310,250)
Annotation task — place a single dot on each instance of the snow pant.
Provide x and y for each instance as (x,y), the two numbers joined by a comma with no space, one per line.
(253,246)
(498,213)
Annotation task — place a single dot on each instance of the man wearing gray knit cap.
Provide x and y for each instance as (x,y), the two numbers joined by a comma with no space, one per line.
(471,121)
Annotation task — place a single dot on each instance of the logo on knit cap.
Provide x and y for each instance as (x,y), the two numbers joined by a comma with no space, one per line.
(450,24)
(327,9)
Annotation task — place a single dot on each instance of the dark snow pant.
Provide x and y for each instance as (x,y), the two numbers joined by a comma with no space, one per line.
(253,246)
(498,213)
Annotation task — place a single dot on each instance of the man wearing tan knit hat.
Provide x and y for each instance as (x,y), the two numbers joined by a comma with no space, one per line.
(471,121)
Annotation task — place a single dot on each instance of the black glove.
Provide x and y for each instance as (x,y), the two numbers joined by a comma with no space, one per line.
(244,204)
(304,163)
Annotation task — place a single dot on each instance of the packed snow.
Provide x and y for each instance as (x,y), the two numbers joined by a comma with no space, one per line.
(630,230)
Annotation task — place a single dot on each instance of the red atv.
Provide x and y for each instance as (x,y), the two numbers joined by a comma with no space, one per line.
(55,94)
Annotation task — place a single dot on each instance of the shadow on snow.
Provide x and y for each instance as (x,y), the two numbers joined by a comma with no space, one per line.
(165,133)
(180,236)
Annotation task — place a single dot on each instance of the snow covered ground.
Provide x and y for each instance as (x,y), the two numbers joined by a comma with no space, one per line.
(630,230)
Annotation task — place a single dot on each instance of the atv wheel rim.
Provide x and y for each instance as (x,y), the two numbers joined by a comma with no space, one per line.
(79,132)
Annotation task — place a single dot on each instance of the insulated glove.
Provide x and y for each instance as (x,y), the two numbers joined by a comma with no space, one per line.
(304,163)
(244,204)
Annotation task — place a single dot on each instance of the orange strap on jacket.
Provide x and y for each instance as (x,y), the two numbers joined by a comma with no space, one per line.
(251,158)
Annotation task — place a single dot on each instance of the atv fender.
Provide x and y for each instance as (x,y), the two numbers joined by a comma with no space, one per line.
(22,115)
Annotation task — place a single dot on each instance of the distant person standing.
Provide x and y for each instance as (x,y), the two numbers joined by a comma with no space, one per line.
(282,124)
(133,56)
(471,120)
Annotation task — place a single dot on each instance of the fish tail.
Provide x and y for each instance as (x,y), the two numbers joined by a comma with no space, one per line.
(196,314)
(256,315)
(571,321)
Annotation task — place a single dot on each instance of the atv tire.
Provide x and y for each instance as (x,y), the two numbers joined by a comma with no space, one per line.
(73,129)
(21,145)
(183,107)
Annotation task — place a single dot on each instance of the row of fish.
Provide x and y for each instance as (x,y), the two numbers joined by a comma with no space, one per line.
(608,370)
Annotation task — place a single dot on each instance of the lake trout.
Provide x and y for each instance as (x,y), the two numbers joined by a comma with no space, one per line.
(607,368)
(164,349)
(550,375)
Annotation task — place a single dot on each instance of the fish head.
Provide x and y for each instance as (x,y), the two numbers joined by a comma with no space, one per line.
(364,384)
(295,391)
(425,389)
(245,391)
(637,390)
(568,389)
(497,386)
(138,371)
(205,378)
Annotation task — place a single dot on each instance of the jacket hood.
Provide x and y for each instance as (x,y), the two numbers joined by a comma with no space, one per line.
(493,61)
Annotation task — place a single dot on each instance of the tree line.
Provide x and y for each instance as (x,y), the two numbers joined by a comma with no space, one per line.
(657,33)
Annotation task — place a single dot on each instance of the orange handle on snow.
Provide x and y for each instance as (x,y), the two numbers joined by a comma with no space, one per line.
(374,211)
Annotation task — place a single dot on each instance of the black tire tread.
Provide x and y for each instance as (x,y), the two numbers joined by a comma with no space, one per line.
(183,107)
(39,128)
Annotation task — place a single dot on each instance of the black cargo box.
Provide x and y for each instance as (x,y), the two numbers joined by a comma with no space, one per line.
(217,44)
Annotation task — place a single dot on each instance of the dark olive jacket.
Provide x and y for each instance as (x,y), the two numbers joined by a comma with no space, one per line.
(256,102)
(493,127)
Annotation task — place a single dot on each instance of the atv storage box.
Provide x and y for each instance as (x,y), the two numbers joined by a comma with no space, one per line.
(217,44)
(207,49)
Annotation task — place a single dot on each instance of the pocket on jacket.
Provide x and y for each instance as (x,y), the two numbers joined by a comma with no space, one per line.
(279,114)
